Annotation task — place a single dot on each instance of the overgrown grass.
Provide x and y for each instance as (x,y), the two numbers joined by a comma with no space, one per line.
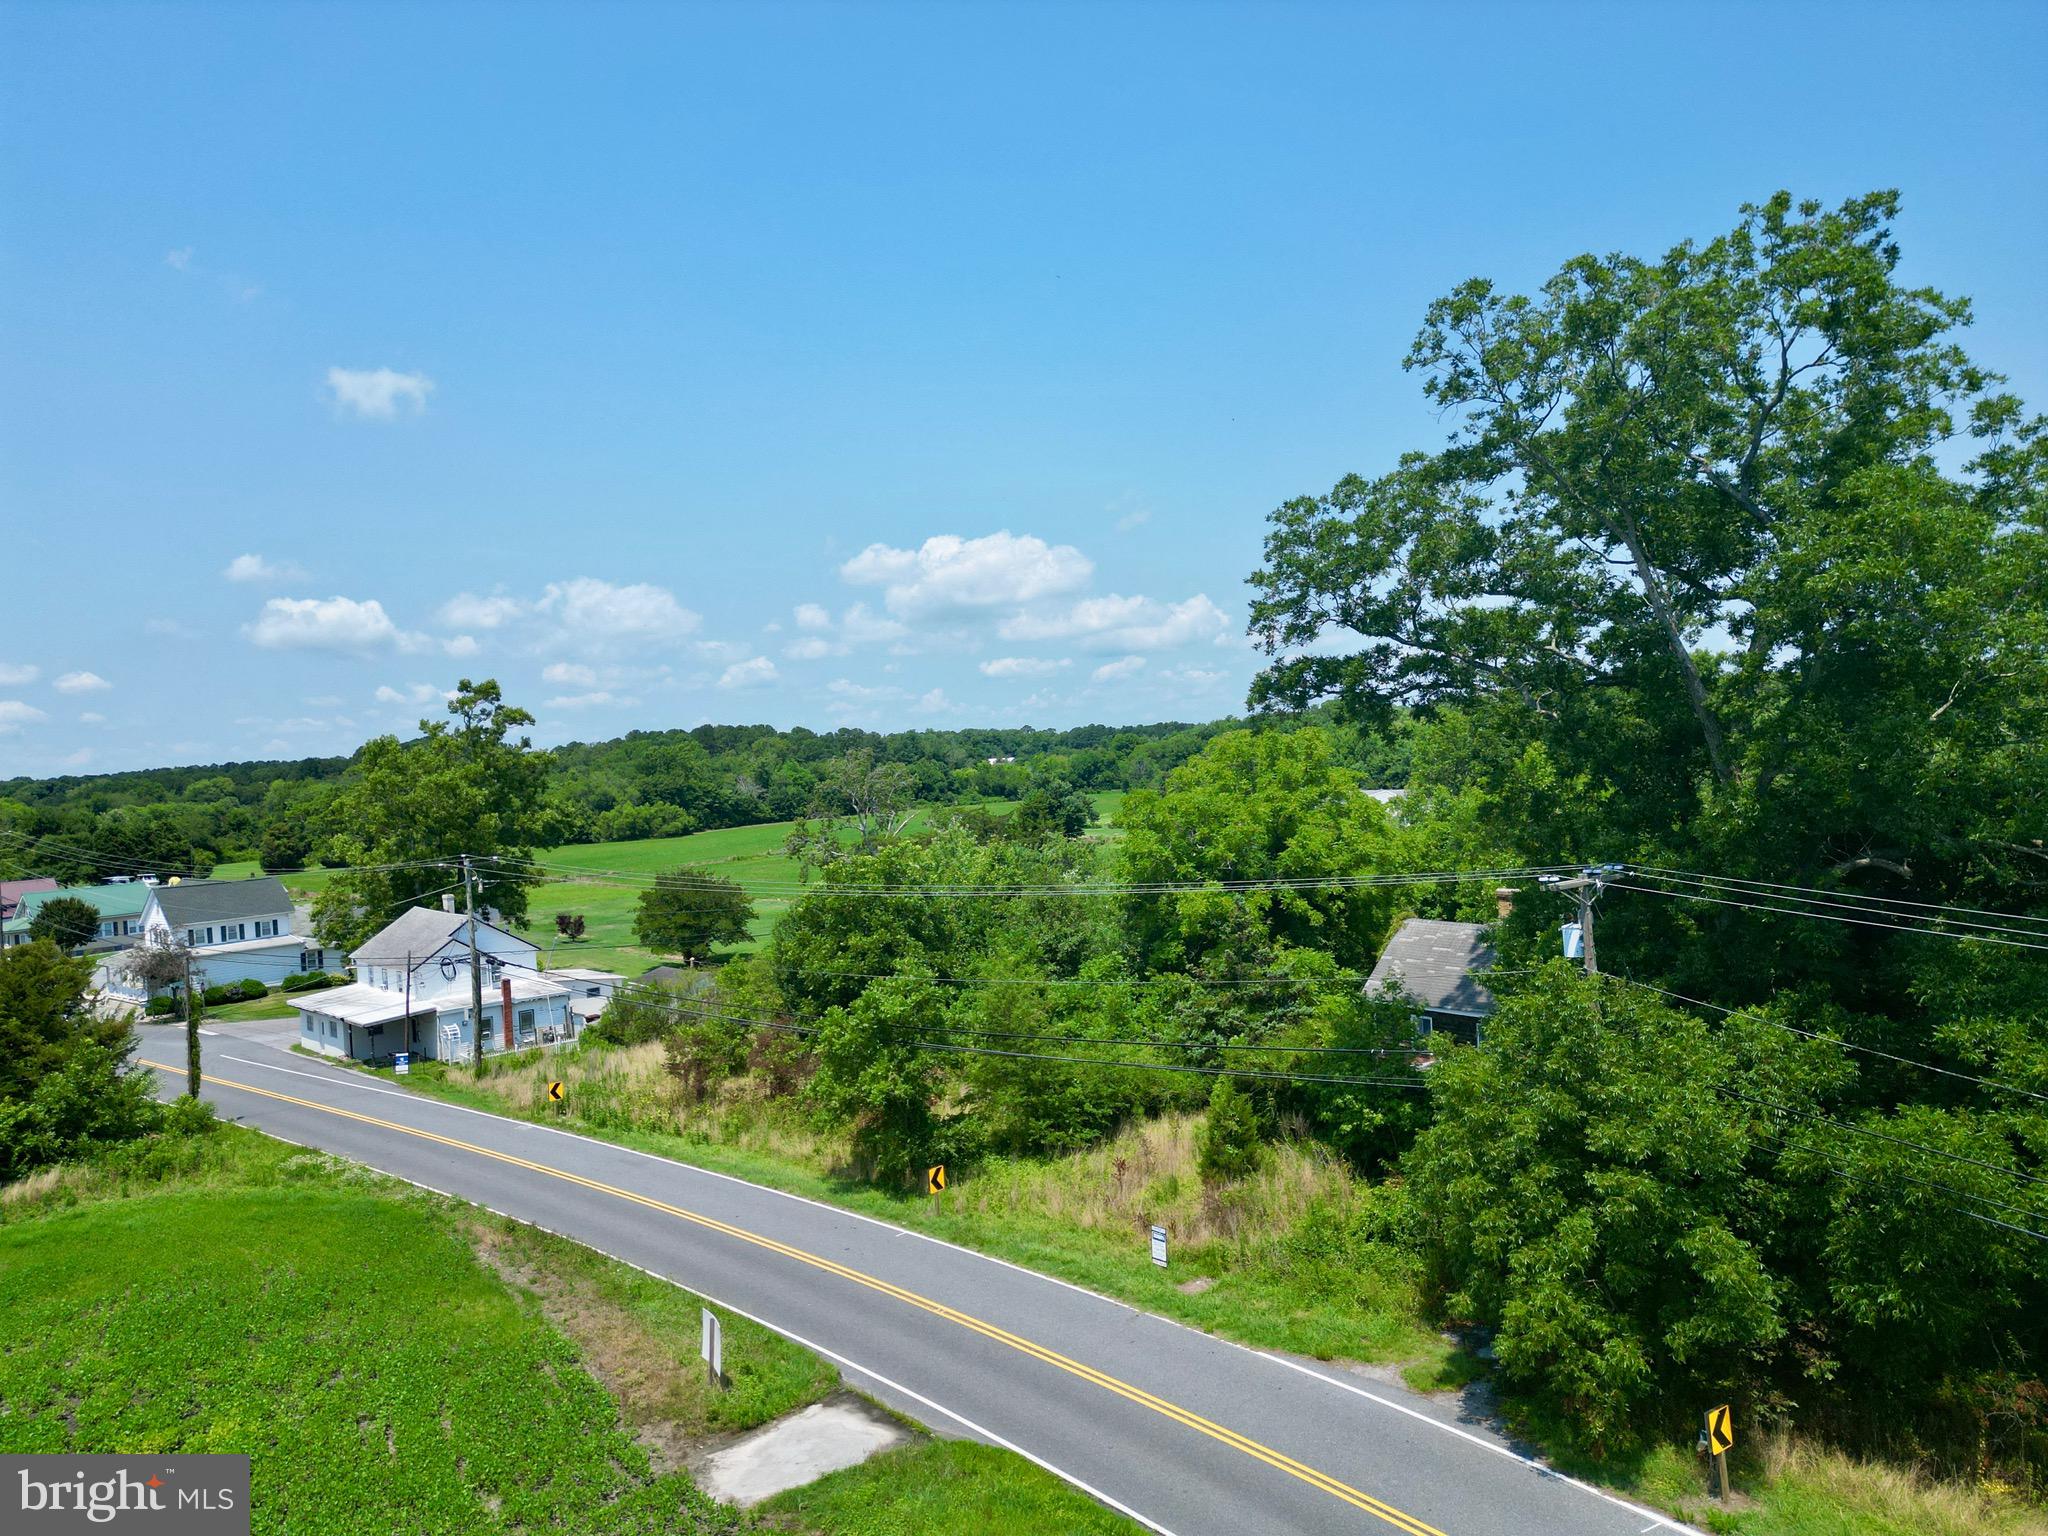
(1276,1260)
(1788,1487)
(941,1488)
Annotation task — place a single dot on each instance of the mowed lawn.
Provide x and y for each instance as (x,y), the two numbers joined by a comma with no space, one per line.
(752,856)
(346,1338)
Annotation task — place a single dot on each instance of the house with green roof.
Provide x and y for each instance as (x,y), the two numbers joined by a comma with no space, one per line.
(120,908)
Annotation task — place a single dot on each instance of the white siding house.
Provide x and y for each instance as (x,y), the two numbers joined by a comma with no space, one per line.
(412,994)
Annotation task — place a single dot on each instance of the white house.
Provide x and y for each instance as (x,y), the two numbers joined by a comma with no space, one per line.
(412,994)
(236,929)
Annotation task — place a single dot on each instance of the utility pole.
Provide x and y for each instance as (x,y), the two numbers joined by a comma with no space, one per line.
(191,1030)
(476,977)
(1583,890)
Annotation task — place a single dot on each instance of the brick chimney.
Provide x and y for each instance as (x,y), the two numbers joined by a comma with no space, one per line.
(505,991)
(1504,900)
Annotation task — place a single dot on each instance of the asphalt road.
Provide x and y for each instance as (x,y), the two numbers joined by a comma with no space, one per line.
(1186,1433)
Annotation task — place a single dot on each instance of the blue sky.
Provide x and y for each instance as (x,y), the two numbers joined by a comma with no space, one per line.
(892,365)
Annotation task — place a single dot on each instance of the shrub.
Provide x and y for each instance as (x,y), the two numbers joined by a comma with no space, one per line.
(216,996)
(1228,1147)
(251,989)
(187,1116)
(157,1007)
(86,1101)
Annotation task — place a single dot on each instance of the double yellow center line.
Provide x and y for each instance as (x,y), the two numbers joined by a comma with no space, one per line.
(1320,1481)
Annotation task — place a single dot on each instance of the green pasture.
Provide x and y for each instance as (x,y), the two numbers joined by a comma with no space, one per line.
(752,856)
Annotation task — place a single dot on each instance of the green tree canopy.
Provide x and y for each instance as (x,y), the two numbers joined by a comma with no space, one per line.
(1692,532)
(410,810)
(1257,805)
(687,911)
(67,922)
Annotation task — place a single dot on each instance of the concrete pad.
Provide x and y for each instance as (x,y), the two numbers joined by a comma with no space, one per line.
(842,1431)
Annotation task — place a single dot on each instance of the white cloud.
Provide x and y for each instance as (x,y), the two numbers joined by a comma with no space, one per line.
(1192,677)
(748,674)
(256,568)
(948,574)
(76,759)
(597,616)
(861,625)
(325,701)
(12,675)
(14,715)
(1133,519)
(845,688)
(1123,623)
(810,648)
(934,702)
(81,682)
(92,717)
(587,700)
(812,616)
(466,610)
(179,260)
(1113,671)
(414,693)
(571,673)
(328,624)
(461,645)
(375,394)
(1022,666)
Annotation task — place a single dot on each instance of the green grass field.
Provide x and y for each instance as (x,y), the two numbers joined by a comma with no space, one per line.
(342,1334)
(751,855)
(940,1488)
(394,1360)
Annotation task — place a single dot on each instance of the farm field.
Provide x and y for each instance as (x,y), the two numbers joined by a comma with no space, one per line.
(751,855)
(334,1323)
(362,1340)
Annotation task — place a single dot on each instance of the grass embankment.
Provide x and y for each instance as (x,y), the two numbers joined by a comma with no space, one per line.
(752,856)
(390,1359)
(1276,1261)
(939,1486)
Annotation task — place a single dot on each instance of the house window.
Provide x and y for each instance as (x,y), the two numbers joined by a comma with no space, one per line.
(231,933)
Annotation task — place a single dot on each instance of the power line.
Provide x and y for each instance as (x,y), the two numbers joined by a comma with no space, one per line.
(1864,1130)
(1847,1045)
(1348,980)
(1939,933)
(1816,891)
(1935,922)
(791,1027)
(682,881)
(1838,1169)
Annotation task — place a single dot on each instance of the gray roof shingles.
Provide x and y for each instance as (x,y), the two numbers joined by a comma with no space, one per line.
(216,901)
(1433,962)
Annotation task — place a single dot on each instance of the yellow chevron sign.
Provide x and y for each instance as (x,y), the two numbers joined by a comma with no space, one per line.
(1720,1429)
(935,1178)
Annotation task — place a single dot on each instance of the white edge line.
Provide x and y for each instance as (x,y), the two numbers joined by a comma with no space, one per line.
(795,1338)
(1484,1444)
(353,1079)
